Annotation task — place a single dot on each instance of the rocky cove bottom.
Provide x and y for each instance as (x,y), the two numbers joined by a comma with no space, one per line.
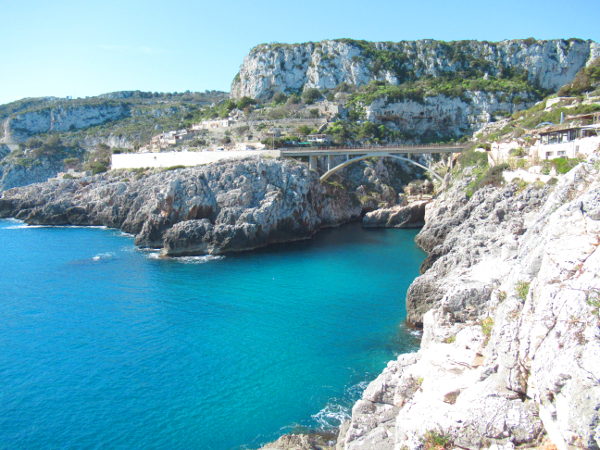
(107,345)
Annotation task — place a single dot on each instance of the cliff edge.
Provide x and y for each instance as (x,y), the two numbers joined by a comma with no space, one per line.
(509,301)
(290,68)
(219,208)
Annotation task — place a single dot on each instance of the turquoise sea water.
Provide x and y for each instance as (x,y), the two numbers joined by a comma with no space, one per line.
(105,346)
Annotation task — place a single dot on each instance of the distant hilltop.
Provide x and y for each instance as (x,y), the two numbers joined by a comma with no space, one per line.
(291,68)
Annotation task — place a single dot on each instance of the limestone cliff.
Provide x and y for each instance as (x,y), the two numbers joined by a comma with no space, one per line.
(272,68)
(56,118)
(15,174)
(223,207)
(509,301)
(442,116)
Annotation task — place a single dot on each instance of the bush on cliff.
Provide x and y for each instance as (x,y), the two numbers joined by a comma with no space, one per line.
(311,95)
(561,165)
(490,177)
(98,160)
(471,157)
(586,80)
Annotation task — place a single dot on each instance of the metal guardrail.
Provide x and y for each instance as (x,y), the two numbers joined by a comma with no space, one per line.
(295,151)
(381,147)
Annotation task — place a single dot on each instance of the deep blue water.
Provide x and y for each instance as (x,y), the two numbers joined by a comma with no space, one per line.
(105,346)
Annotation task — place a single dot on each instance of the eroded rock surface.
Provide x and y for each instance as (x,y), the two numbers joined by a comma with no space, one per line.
(224,207)
(406,216)
(271,68)
(509,302)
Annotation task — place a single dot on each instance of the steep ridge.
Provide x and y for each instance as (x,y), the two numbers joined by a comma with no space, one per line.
(509,301)
(424,90)
(288,68)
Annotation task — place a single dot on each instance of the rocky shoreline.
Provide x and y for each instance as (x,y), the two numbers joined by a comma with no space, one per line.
(508,300)
(225,207)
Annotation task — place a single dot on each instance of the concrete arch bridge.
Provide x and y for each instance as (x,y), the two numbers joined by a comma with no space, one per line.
(352,155)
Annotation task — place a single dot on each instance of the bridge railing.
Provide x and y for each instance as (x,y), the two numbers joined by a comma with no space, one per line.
(382,148)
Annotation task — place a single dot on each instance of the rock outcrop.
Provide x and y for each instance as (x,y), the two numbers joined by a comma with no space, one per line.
(405,216)
(442,117)
(324,441)
(272,68)
(62,117)
(223,207)
(510,303)
(464,84)
(16,173)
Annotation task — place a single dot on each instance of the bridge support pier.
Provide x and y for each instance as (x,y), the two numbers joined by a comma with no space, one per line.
(328,162)
(312,162)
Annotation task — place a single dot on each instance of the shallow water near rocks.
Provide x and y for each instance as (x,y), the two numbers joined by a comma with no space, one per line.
(103,345)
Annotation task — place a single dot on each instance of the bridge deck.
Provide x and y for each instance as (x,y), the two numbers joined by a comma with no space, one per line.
(407,149)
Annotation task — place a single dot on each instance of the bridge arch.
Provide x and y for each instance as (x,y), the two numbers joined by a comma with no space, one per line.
(371,155)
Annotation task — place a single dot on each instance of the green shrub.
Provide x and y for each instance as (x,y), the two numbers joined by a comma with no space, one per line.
(279,98)
(518,152)
(434,440)
(174,168)
(522,289)
(71,162)
(244,102)
(293,99)
(561,165)
(450,339)
(517,163)
(311,95)
(521,184)
(304,130)
(97,167)
(487,325)
(593,300)
(489,177)
(470,157)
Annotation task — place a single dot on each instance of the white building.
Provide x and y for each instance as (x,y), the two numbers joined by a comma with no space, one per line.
(567,142)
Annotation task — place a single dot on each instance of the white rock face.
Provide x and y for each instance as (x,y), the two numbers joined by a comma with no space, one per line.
(439,115)
(511,350)
(22,125)
(271,68)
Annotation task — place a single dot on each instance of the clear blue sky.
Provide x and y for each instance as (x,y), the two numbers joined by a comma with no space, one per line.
(88,47)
